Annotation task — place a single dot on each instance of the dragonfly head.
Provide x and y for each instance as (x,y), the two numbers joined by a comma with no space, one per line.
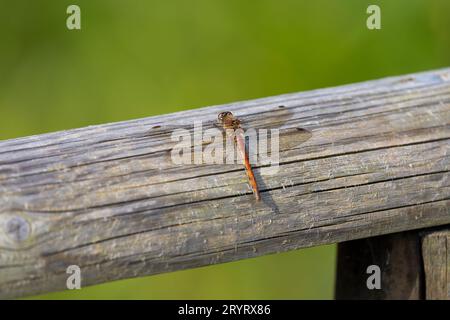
(225,117)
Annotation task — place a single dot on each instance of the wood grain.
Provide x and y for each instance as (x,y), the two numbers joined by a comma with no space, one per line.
(106,197)
(436,259)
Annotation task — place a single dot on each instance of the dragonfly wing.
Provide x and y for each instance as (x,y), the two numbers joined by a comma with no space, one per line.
(292,138)
(174,138)
(289,138)
(267,119)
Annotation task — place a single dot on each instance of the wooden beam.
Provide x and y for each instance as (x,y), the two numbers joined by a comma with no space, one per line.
(436,259)
(108,199)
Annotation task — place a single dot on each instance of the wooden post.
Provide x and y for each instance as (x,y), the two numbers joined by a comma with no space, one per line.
(398,257)
(436,259)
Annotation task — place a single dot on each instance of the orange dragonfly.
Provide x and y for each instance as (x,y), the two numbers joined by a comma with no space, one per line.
(289,137)
(229,121)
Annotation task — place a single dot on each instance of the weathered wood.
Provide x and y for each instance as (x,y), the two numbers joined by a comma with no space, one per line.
(399,259)
(106,199)
(436,259)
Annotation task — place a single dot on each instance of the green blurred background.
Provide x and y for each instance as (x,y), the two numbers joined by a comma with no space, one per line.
(139,58)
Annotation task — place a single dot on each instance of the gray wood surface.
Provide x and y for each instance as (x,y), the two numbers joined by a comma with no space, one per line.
(106,197)
(436,260)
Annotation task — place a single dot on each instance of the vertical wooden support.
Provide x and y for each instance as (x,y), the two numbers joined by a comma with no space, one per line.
(397,255)
(436,260)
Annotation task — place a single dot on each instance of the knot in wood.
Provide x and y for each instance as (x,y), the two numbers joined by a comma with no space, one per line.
(18,229)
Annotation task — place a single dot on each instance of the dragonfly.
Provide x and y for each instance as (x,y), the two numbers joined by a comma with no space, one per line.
(232,124)
(290,136)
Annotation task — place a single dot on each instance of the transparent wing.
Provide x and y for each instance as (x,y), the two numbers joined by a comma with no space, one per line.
(172,137)
(289,136)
